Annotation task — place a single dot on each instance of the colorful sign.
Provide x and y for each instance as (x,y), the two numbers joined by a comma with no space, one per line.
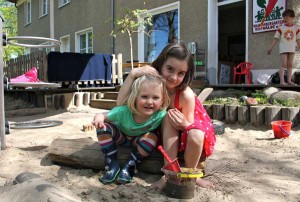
(273,21)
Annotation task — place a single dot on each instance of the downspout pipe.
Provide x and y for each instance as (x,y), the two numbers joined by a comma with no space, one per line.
(2,114)
(52,21)
(112,15)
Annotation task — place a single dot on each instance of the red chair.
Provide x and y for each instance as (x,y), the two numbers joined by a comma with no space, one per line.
(242,69)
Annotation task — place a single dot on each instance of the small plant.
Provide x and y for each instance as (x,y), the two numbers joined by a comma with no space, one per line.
(287,103)
(132,21)
(260,97)
(227,100)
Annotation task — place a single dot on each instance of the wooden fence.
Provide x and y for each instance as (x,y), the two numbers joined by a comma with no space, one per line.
(18,66)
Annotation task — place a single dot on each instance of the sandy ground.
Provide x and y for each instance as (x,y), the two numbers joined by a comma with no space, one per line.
(248,164)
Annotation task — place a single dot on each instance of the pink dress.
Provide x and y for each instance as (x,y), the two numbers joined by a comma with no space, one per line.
(201,122)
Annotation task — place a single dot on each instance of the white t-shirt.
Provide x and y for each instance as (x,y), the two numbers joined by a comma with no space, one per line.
(288,36)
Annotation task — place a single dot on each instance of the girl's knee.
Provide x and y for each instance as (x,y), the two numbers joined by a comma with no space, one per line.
(196,136)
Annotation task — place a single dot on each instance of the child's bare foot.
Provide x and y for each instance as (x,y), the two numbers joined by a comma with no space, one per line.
(283,83)
(205,183)
(292,83)
(160,184)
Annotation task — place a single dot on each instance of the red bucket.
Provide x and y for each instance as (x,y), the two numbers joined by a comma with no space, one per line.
(282,128)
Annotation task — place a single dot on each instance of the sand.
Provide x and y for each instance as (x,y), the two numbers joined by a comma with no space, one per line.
(248,164)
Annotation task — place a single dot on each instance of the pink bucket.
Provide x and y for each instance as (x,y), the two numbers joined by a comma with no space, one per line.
(282,128)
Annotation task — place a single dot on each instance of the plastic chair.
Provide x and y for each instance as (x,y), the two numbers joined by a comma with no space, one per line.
(242,69)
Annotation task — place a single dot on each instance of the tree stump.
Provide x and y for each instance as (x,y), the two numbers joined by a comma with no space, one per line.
(231,114)
(272,113)
(86,153)
(208,108)
(218,111)
(257,115)
(243,115)
(290,114)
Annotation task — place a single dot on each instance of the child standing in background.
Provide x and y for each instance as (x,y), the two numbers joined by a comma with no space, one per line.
(289,36)
(132,125)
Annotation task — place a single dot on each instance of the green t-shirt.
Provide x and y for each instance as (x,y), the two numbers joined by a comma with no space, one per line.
(123,118)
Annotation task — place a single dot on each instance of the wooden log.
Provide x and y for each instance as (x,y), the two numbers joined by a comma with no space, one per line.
(98,95)
(208,108)
(86,99)
(218,112)
(93,96)
(56,102)
(272,113)
(40,99)
(86,153)
(231,114)
(257,115)
(62,101)
(78,99)
(243,114)
(290,114)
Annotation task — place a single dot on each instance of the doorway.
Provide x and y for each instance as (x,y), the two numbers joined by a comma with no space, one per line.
(231,39)
(220,7)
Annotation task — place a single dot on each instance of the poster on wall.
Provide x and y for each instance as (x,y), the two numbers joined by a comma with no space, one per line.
(225,74)
(267,15)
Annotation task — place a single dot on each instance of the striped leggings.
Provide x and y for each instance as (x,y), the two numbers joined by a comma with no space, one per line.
(113,136)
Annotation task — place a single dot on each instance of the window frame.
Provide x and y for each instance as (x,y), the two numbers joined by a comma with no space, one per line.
(77,40)
(62,3)
(65,47)
(43,8)
(27,12)
(156,11)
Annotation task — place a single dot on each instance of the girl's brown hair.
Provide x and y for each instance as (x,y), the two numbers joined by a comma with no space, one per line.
(288,12)
(180,52)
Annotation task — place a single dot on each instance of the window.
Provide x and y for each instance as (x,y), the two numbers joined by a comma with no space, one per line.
(84,41)
(27,12)
(65,44)
(63,2)
(46,49)
(43,7)
(165,29)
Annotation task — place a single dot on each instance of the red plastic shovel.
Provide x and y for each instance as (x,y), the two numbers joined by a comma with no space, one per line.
(172,165)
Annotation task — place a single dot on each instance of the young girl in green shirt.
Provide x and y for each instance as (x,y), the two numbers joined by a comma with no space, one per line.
(132,125)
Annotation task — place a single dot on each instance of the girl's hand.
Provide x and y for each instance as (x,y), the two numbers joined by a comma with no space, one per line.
(98,121)
(177,119)
(269,51)
(141,71)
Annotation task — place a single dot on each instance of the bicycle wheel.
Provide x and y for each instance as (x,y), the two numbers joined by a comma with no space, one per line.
(35,124)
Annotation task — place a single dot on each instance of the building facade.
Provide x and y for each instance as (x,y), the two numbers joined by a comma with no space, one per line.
(222,29)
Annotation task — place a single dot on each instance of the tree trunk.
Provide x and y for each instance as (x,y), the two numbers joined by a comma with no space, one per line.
(86,153)
(131,51)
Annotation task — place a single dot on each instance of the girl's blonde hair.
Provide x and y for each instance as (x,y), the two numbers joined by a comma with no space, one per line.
(135,89)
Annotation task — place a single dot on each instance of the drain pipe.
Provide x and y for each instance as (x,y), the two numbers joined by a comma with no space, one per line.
(51,4)
(2,111)
(112,15)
